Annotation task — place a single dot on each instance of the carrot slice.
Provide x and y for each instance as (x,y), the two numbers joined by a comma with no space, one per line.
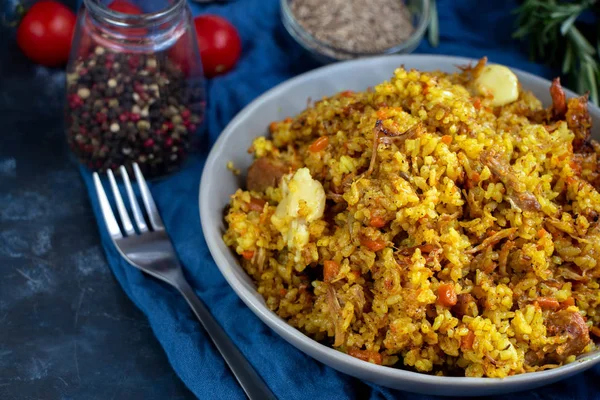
(330,270)
(447,295)
(377,222)
(568,302)
(256,204)
(248,254)
(373,245)
(319,144)
(541,233)
(548,303)
(366,355)
(466,343)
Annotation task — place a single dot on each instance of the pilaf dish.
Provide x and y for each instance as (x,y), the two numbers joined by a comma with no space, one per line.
(445,223)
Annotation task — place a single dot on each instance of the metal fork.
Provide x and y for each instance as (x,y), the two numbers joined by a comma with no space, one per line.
(149,249)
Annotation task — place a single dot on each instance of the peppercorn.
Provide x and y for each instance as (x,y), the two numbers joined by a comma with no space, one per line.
(120,109)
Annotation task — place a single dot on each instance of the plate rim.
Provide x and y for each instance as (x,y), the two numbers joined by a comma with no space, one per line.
(303,342)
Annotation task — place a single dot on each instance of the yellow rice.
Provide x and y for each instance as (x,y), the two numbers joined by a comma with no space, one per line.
(452,224)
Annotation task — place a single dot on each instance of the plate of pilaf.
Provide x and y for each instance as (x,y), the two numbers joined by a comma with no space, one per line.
(426,223)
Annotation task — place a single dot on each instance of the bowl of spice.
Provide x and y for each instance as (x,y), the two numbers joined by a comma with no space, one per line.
(335,30)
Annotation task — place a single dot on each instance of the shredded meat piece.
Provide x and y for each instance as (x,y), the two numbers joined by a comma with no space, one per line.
(574,111)
(264,173)
(519,262)
(337,198)
(366,355)
(534,357)
(256,204)
(446,219)
(429,251)
(492,240)
(335,311)
(570,324)
(516,189)
(261,257)
(357,297)
(425,249)
(359,107)
(503,257)
(580,123)
(474,208)
(589,162)
(559,99)
(388,138)
(461,308)
(346,183)
(570,272)
(474,70)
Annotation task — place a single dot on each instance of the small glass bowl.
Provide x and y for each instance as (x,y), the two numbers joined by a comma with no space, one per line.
(326,53)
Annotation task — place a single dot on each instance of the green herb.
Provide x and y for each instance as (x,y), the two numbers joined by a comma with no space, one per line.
(551,28)
(433,32)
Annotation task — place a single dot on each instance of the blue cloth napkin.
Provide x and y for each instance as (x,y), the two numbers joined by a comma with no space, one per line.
(270,56)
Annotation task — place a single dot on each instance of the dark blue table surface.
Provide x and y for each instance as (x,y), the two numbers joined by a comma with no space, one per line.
(67,331)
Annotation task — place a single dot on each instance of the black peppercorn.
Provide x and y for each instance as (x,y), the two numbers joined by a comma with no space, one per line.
(129,107)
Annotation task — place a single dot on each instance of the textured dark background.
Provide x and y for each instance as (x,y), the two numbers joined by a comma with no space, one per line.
(67,331)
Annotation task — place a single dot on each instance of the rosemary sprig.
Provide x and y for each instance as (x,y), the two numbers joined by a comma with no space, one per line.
(550,27)
(433,31)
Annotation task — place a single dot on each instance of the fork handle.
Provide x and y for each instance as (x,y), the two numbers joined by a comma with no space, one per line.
(252,384)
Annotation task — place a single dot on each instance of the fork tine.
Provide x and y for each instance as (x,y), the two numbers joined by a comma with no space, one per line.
(109,218)
(135,206)
(125,221)
(151,209)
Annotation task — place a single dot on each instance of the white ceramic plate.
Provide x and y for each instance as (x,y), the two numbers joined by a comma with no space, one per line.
(218,183)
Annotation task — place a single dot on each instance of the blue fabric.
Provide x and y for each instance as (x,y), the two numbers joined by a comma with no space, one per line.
(468,28)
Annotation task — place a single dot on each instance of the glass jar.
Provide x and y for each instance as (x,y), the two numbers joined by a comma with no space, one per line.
(135,88)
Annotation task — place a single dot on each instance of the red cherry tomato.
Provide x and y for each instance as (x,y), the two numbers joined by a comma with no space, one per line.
(219,42)
(125,7)
(45,33)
